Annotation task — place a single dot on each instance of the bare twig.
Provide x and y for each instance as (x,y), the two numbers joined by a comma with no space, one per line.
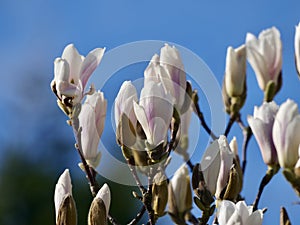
(138,216)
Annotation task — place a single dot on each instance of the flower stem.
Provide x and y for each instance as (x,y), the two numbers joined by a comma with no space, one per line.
(266,179)
(138,216)
(247,132)
(198,112)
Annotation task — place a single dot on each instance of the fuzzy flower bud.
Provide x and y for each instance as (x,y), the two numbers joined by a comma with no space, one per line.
(99,209)
(234,84)
(65,208)
(180,195)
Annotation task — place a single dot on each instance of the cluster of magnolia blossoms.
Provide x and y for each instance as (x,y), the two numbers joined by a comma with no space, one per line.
(143,124)
(277,131)
(71,74)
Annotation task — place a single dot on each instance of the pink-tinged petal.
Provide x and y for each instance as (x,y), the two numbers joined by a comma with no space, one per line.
(71,55)
(171,61)
(226,163)
(263,136)
(143,120)
(67,89)
(152,71)
(286,134)
(90,63)
(258,64)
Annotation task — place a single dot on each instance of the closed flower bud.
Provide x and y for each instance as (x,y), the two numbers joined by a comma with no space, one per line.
(265,56)
(215,164)
(286,134)
(261,124)
(65,208)
(99,209)
(71,73)
(159,194)
(297,49)
(234,85)
(239,213)
(180,195)
(91,120)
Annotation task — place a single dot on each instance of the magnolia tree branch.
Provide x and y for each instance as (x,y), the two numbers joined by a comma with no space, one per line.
(266,179)
(247,132)
(200,115)
(138,216)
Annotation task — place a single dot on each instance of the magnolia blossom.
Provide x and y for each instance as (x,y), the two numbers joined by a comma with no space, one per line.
(169,70)
(239,213)
(91,119)
(286,134)
(154,112)
(265,56)
(71,73)
(180,191)
(216,163)
(124,102)
(63,189)
(234,146)
(297,48)
(261,124)
(235,73)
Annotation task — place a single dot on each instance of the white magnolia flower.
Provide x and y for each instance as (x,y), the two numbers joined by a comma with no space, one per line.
(91,119)
(265,56)
(181,193)
(239,213)
(261,124)
(105,195)
(72,71)
(286,134)
(235,72)
(297,48)
(169,70)
(63,188)
(154,112)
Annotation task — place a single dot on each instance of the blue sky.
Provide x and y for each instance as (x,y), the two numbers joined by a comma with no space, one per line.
(34,33)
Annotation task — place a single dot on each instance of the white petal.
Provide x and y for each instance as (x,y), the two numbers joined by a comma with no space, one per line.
(62,189)
(143,120)
(105,195)
(71,55)
(226,210)
(90,63)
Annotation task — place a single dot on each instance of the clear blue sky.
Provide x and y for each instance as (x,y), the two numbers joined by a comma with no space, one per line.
(34,33)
